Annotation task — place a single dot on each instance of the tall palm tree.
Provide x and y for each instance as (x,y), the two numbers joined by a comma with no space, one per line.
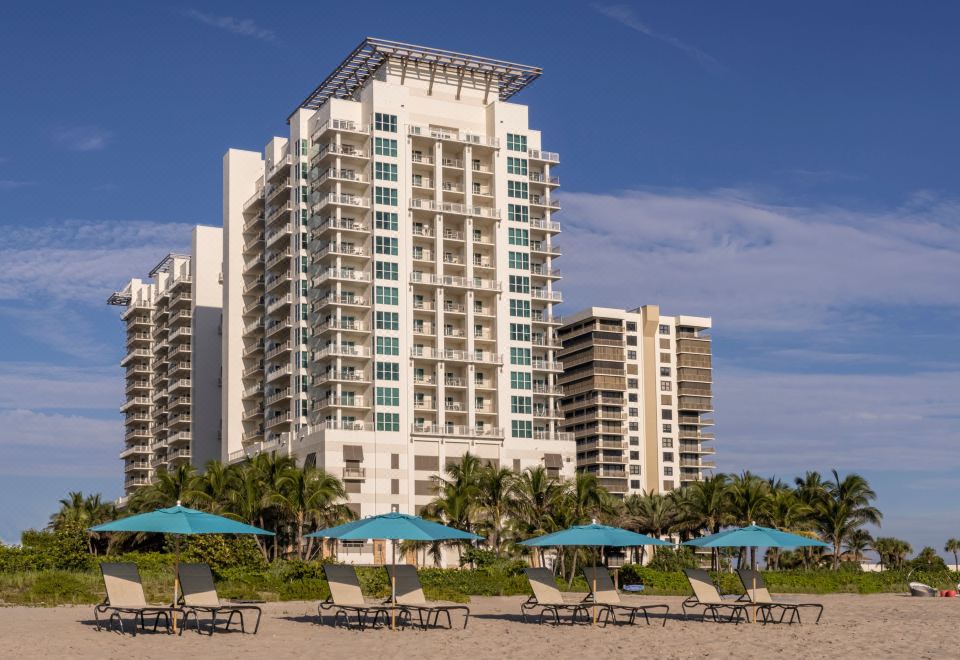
(651,513)
(704,505)
(848,507)
(533,498)
(247,501)
(270,469)
(953,546)
(789,513)
(308,496)
(495,491)
(179,485)
(858,542)
(749,504)
(212,489)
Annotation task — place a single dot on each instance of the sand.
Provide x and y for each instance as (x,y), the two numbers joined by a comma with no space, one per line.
(852,627)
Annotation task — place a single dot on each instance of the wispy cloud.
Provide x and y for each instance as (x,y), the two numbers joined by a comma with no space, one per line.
(39,444)
(243,27)
(625,16)
(42,386)
(81,138)
(8,184)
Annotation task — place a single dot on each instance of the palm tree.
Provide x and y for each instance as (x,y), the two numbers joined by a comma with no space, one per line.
(79,511)
(247,501)
(270,468)
(749,503)
(308,496)
(704,505)
(651,513)
(858,542)
(789,513)
(953,546)
(847,507)
(495,491)
(213,488)
(169,488)
(533,499)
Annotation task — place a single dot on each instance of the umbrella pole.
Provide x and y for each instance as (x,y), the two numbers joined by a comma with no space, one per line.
(594,586)
(176,576)
(754,596)
(393,589)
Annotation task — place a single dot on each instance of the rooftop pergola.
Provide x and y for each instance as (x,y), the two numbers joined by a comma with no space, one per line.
(167,263)
(372,53)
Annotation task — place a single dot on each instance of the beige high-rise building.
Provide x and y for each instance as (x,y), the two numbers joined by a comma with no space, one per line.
(637,395)
(390,273)
(172,363)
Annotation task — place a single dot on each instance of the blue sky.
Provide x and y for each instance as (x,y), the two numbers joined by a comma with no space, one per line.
(790,170)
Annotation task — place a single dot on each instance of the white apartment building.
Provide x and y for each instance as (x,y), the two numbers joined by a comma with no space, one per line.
(390,271)
(172,362)
(637,396)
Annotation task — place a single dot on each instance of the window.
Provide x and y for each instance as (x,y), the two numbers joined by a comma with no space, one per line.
(633,412)
(664,329)
(518,236)
(634,441)
(519,332)
(385,196)
(635,484)
(387,295)
(386,220)
(516,166)
(668,457)
(634,456)
(520,308)
(519,355)
(631,326)
(519,284)
(385,245)
(631,340)
(388,346)
(387,271)
(632,397)
(388,321)
(518,213)
(664,357)
(388,421)
(388,396)
(634,469)
(665,386)
(664,371)
(665,344)
(385,122)
(521,428)
(633,383)
(516,142)
(385,171)
(633,426)
(385,147)
(521,405)
(631,355)
(519,260)
(520,380)
(666,414)
(666,428)
(388,371)
(668,471)
(667,443)
(517,189)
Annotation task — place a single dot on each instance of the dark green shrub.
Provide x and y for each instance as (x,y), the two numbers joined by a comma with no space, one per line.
(222,552)
(65,549)
(673,559)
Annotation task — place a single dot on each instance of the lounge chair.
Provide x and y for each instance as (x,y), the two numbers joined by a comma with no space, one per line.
(346,598)
(606,594)
(198,594)
(756,591)
(125,596)
(548,598)
(410,596)
(705,595)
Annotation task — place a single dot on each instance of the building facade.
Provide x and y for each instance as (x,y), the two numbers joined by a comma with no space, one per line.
(390,270)
(637,396)
(172,362)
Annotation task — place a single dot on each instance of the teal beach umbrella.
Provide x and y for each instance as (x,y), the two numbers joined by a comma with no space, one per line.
(595,535)
(179,520)
(394,527)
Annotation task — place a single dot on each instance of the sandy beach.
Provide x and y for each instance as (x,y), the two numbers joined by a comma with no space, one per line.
(852,626)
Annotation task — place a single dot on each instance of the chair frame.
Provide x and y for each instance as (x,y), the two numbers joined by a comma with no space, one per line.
(213,611)
(793,608)
(432,610)
(157,611)
(362,612)
(738,608)
(612,608)
(555,608)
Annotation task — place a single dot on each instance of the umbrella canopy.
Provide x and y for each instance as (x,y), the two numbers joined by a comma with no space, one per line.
(754,536)
(594,535)
(179,520)
(394,527)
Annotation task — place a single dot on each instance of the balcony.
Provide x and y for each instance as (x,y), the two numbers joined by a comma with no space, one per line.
(544,156)
(539,177)
(321,201)
(463,137)
(339,249)
(278,372)
(541,200)
(277,420)
(344,376)
(339,125)
(558,436)
(454,281)
(548,390)
(454,430)
(453,208)
(281,395)
(344,350)
(544,225)
(136,354)
(253,285)
(539,247)
(543,294)
(326,223)
(546,365)
(343,402)
(279,304)
(277,258)
(331,150)
(333,299)
(354,473)
(345,425)
(342,325)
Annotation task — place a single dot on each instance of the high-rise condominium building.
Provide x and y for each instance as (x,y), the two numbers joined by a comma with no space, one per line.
(172,406)
(390,270)
(637,395)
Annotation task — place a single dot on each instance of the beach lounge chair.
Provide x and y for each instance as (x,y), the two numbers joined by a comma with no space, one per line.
(705,595)
(548,598)
(198,594)
(606,594)
(125,596)
(756,591)
(410,596)
(346,598)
